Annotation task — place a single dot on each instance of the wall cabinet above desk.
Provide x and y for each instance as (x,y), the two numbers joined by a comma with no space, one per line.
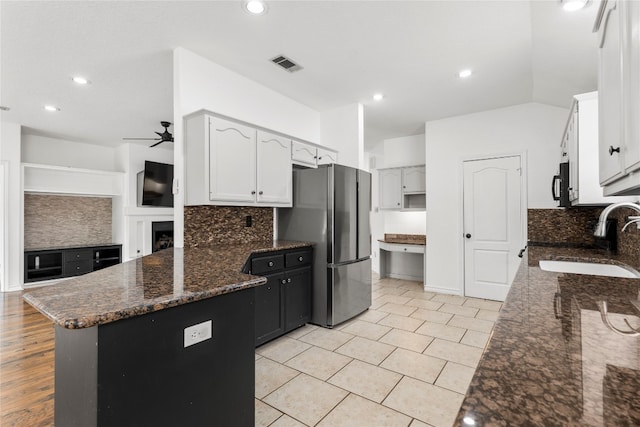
(402,188)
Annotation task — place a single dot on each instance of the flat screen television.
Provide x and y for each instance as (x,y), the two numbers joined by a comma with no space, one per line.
(157,185)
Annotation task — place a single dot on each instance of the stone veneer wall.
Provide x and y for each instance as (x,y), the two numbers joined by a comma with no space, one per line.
(212,225)
(51,221)
(576,225)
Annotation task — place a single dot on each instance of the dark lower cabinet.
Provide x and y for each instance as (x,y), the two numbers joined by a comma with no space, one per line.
(284,302)
(269,309)
(297,295)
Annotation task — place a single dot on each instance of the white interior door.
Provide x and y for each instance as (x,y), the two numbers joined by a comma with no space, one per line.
(493,224)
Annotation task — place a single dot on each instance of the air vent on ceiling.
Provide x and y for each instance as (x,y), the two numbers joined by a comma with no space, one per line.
(286,63)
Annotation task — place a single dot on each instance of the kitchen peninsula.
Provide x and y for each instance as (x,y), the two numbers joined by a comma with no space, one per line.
(123,356)
(551,359)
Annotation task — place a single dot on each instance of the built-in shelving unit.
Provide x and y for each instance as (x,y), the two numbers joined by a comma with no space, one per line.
(56,263)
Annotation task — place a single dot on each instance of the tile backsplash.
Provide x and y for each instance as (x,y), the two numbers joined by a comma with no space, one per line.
(53,221)
(575,226)
(212,225)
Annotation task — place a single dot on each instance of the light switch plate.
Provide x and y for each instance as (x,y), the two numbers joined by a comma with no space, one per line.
(197,333)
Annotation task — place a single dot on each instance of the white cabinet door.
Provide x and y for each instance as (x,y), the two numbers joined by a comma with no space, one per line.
(631,82)
(232,161)
(274,169)
(413,180)
(390,188)
(304,154)
(611,147)
(326,157)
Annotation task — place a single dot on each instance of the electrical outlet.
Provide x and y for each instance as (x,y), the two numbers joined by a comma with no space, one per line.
(197,333)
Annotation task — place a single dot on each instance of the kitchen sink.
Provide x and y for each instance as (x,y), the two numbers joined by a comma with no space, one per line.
(591,268)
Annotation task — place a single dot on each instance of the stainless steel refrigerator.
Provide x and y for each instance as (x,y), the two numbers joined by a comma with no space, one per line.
(331,207)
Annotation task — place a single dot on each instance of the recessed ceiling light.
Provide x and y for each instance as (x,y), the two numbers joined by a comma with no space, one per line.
(573,5)
(80,80)
(465,73)
(256,7)
(51,108)
(378,97)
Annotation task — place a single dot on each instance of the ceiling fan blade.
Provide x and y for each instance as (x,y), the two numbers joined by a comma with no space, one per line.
(144,139)
(157,143)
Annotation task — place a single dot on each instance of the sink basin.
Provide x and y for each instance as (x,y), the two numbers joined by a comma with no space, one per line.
(591,268)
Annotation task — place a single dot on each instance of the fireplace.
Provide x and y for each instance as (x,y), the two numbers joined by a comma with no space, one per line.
(161,235)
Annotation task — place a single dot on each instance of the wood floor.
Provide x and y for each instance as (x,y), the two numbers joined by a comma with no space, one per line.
(26,364)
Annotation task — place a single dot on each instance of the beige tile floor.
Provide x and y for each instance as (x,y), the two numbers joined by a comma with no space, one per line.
(407,361)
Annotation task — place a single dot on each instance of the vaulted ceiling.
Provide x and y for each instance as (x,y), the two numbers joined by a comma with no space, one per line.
(519,51)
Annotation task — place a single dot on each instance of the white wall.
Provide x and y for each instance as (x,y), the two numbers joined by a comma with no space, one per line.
(13,244)
(532,128)
(53,151)
(404,151)
(342,129)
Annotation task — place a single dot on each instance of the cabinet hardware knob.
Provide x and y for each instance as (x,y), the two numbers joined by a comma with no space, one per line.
(270,263)
(398,204)
(404,186)
(468,236)
(284,281)
(289,280)
(253,192)
(320,158)
(405,249)
(260,193)
(300,259)
(613,150)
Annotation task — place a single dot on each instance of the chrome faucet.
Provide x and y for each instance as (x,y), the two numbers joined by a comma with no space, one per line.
(601,227)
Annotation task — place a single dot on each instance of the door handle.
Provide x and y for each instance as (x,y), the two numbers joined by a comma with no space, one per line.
(553,187)
(468,236)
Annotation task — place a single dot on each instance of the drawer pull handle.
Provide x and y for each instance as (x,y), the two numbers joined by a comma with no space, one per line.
(300,259)
(289,280)
(613,150)
(270,263)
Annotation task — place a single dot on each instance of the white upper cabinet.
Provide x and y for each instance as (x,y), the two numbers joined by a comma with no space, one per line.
(232,161)
(390,182)
(610,92)
(618,26)
(304,154)
(631,84)
(233,164)
(326,157)
(274,169)
(413,179)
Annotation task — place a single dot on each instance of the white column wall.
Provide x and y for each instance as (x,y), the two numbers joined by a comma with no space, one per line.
(532,128)
(342,129)
(13,236)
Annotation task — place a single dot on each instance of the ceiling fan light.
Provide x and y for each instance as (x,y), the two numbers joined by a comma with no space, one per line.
(573,5)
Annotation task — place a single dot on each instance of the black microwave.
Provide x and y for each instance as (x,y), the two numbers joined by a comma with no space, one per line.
(560,186)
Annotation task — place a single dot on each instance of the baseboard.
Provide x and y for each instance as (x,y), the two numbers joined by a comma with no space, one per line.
(443,290)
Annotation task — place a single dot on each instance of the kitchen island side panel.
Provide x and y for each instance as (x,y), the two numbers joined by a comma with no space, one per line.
(145,375)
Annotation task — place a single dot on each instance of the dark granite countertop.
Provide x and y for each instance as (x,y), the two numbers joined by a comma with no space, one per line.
(551,359)
(404,239)
(164,279)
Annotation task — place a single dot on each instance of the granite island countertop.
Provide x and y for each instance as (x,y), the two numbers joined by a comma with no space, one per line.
(164,279)
(551,360)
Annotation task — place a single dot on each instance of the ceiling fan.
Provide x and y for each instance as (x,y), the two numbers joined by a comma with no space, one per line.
(165,136)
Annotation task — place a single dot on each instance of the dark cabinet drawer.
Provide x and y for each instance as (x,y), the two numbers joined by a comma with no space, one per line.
(74,268)
(266,264)
(298,258)
(78,255)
